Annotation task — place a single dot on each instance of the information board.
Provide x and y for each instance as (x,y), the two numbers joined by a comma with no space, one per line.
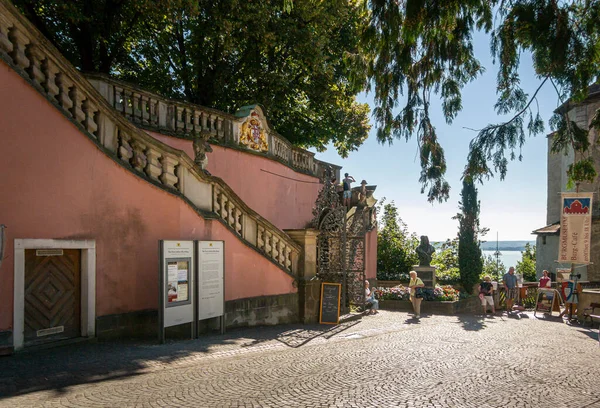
(176,284)
(211,279)
(330,303)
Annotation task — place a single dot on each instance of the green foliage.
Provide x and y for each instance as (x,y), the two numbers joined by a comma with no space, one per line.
(492,269)
(470,260)
(303,62)
(526,266)
(421,48)
(395,245)
(445,259)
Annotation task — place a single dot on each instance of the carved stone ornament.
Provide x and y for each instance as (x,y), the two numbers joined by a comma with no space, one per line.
(252,134)
(201,147)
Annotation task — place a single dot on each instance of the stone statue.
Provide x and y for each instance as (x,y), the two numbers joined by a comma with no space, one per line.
(201,147)
(424,251)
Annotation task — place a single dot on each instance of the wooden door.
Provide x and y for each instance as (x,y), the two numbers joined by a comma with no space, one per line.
(52,295)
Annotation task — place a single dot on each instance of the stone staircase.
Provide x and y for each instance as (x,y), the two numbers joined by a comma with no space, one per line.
(31,55)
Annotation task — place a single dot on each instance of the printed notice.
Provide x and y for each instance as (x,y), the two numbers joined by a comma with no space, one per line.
(210,285)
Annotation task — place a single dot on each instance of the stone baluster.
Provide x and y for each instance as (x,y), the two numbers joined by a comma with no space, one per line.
(50,71)
(179,125)
(153,109)
(268,237)
(145,108)
(64,84)
(224,201)
(153,166)
(203,120)
(5,43)
(211,126)
(19,41)
(76,110)
(168,177)
(90,122)
(220,127)
(260,237)
(231,214)
(275,248)
(288,258)
(140,160)
(136,102)
(125,151)
(118,98)
(282,248)
(216,199)
(36,57)
(238,221)
(196,125)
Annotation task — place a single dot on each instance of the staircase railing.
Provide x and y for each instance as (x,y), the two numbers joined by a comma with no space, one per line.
(30,54)
(183,119)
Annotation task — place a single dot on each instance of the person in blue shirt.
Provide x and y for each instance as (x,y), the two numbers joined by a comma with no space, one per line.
(510,286)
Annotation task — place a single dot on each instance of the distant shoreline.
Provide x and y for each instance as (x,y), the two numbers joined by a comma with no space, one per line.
(502,245)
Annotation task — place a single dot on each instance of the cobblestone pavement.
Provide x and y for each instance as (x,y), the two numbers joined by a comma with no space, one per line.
(377,361)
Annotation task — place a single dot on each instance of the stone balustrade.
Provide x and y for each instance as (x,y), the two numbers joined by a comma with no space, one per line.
(182,119)
(41,64)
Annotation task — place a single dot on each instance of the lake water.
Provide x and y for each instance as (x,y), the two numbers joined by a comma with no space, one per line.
(508,258)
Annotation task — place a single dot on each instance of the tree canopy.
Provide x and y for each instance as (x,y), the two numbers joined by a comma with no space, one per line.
(306,62)
(303,62)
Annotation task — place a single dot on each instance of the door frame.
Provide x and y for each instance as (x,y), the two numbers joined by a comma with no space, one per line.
(88,283)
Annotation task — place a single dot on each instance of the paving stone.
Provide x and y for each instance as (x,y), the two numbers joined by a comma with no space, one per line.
(387,360)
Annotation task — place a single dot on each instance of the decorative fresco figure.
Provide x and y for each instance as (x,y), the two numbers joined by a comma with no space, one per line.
(425,251)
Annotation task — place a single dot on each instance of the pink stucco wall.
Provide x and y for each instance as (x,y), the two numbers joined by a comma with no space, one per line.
(57,184)
(371,254)
(278,193)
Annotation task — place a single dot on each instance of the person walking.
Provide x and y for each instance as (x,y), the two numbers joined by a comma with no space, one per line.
(486,291)
(347,182)
(416,296)
(510,286)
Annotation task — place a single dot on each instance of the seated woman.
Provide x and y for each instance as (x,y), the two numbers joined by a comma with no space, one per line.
(370,298)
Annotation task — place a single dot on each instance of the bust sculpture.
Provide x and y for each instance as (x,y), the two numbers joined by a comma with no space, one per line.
(201,147)
(425,251)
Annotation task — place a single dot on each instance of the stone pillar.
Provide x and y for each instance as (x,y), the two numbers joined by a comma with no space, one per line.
(309,288)
(427,275)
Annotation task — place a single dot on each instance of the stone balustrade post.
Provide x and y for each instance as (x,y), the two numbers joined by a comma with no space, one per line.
(168,176)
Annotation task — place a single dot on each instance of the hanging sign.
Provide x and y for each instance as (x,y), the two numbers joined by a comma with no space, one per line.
(575,228)
(176,284)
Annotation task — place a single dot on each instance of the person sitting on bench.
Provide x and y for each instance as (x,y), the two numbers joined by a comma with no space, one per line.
(370,295)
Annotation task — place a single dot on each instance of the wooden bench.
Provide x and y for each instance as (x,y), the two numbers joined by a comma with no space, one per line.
(591,313)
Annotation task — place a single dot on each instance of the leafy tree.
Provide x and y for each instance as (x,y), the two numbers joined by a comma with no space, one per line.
(470,260)
(526,266)
(395,245)
(96,34)
(492,269)
(445,259)
(302,61)
(422,48)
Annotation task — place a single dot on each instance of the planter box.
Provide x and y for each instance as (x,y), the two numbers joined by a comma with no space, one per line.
(469,305)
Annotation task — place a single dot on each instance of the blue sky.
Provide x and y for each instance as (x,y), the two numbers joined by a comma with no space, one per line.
(512,207)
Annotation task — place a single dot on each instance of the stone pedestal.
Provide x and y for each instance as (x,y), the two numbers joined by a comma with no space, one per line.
(427,275)
(308,288)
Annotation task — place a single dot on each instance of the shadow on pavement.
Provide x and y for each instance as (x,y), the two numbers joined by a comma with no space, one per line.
(472,323)
(59,368)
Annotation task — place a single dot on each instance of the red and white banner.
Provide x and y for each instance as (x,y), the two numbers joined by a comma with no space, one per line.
(575,228)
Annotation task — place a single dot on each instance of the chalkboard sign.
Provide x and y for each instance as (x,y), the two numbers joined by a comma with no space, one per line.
(330,303)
